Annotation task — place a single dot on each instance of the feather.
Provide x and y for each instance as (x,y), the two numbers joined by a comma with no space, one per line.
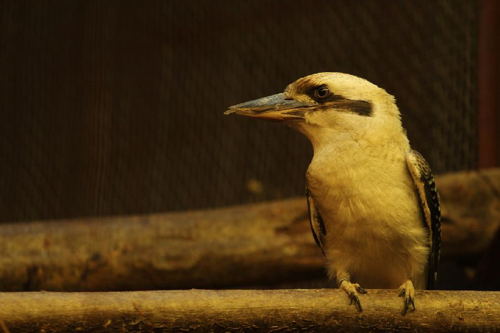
(316,221)
(429,200)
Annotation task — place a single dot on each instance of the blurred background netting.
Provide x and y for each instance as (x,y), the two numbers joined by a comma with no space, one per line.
(116,107)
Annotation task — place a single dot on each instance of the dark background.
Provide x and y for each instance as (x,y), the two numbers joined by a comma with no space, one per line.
(115,107)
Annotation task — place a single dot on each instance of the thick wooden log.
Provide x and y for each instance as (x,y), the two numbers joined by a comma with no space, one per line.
(317,310)
(260,244)
(220,248)
(471,210)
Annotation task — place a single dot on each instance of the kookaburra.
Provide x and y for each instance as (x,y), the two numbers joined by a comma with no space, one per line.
(373,205)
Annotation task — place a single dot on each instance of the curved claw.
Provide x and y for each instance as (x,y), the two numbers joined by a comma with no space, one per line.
(361,290)
(409,300)
(352,290)
(355,298)
(408,291)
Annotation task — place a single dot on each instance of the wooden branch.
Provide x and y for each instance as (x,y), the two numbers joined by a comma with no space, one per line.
(318,310)
(248,245)
(226,247)
(470,209)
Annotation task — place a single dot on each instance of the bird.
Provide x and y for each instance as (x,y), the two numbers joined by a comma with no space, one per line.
(373,204)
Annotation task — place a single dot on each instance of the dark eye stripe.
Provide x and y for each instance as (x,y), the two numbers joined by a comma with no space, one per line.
(337,102)
(361,108)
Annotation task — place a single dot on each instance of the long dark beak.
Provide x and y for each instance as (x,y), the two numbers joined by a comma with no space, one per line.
(274,107)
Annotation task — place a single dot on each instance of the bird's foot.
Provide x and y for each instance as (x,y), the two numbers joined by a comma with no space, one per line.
(408,291)
(352,290)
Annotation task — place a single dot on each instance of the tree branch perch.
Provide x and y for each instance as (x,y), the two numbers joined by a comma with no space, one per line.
(318,310)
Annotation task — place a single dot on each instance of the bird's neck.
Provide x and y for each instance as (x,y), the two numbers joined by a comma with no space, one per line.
(335,143)
(375,139)
(337,151)
(345,166)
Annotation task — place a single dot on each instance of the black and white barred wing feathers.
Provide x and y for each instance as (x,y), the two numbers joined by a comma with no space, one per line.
(429,200)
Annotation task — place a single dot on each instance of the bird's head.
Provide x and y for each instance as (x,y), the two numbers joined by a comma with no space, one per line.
(327,104)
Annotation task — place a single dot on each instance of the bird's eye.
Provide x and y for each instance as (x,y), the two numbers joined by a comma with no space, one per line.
(322,92)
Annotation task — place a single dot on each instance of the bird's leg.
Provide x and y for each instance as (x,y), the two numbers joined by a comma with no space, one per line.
(408,291)
(351,289)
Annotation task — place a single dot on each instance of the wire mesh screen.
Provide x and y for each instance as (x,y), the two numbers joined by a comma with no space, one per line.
(115,107)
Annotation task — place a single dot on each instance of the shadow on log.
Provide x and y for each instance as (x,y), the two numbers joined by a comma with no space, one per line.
(259,244)
(318,310)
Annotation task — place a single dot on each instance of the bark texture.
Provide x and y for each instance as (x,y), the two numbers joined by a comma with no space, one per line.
(470,204)
(315,310)
(259,244)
